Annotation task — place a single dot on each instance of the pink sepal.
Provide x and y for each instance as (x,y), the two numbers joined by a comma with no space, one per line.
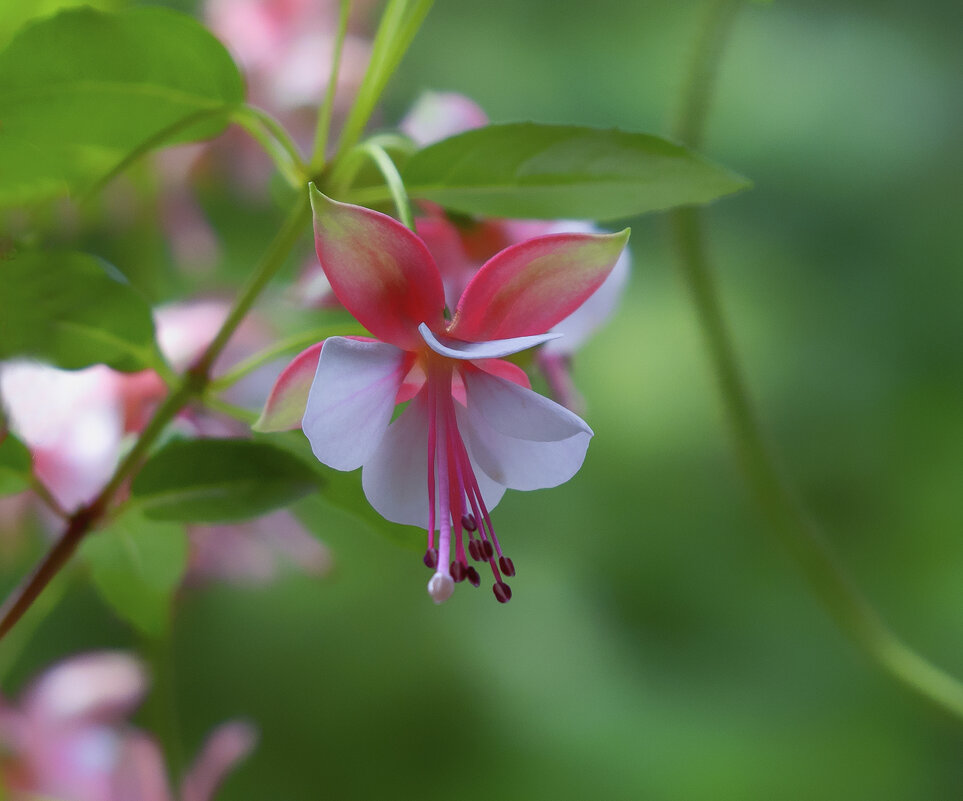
(380,271)
(289,395)
(529,287)
(227,745)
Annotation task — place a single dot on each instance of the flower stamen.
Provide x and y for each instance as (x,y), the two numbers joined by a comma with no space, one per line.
(456,503)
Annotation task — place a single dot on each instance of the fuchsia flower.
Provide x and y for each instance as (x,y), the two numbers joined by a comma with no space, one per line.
(473,427)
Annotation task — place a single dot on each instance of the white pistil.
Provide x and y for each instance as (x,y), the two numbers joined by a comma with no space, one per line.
(440,587)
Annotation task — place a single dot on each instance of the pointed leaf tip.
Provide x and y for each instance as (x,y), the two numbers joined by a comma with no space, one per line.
(535,171)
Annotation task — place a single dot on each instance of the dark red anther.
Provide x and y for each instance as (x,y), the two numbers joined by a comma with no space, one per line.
(503,593)
(468,522)
(431,558)
(458,571)
(474,551)
(487,549)
(473,578)
(507,566)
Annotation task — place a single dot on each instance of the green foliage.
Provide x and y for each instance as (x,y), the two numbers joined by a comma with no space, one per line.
(14,464)
(136,565)
(84,89)
(343,491)
(73,310)
(220,480)
(15,14)
(563,171)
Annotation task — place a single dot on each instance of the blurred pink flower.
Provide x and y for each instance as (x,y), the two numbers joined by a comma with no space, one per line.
(76,424)
(438,115)
(285,47)
(69,739)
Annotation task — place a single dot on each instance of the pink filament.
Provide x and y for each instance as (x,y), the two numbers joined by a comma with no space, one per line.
(451,479)
(432,439)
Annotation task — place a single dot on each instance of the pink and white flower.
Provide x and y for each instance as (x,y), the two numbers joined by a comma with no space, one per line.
(473,426)
(77,423)
(68,738)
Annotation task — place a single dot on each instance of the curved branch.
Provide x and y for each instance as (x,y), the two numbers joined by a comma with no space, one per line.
(784,513)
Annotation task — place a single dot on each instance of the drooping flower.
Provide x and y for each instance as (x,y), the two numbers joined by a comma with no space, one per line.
(473,427)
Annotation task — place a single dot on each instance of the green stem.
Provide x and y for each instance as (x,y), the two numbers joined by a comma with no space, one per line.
(783,511)
(278,131)
(193,383)
(393,179)
(272,261)
(41,491)
(690,124)
(292,343)
(238,413)
(399,24)
(159,139)
(327,106)
(284,154)
(160,707)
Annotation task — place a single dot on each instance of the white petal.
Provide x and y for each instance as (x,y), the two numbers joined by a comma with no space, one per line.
(518,412)
(495,349)
(103,686)
(72,421)
(395,479)
(351,400)
(521,464)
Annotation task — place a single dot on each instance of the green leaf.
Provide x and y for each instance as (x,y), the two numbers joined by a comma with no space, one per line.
(137,565)
(219,480)
(73,310)
(343,491)
(15,14)
(82,90)
(528,170)
(15,464)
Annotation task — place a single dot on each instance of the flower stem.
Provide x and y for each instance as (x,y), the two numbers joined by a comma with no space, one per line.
(231,410)
(393,180)
(291,343)
(160,707)
(272,261)
(399,24)
(192,384)
(327,106)
(783,511)
(272,137)
(44,494)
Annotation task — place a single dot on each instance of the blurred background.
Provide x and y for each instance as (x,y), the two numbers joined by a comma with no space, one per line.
(659,644)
